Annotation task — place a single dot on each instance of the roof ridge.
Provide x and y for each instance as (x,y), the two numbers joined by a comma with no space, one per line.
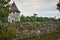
(14,8)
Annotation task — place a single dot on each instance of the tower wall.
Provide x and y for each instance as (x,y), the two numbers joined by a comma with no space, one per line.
(14,16)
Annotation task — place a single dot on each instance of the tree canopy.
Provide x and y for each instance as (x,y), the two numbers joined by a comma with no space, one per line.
(4,10)
(5,32)
(58,5)
(37,19)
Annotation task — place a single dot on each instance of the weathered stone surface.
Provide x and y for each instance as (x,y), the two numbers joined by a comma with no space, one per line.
(23,30)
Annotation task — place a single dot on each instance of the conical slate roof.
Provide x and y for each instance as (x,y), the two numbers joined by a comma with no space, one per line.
(14,8)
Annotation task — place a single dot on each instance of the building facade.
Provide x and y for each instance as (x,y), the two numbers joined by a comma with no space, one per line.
(14,14)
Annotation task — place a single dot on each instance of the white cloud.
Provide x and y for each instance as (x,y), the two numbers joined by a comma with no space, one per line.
(29,7)
(37,3)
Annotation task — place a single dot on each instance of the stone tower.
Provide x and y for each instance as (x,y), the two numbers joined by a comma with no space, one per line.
(14,14)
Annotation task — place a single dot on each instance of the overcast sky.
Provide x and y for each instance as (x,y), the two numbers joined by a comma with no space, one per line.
(45,8)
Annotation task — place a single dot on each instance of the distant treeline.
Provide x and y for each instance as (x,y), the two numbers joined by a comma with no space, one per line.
(37,19)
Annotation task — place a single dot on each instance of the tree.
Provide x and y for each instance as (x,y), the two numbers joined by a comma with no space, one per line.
(32,19)
(28,19)
(22,18)
(58,5)
(4,10)
(35,16)
(5,32)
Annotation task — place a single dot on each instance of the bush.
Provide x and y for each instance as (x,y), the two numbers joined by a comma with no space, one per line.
(6,32)
(31,26)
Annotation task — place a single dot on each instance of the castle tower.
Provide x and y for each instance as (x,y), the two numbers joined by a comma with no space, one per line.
(14,14)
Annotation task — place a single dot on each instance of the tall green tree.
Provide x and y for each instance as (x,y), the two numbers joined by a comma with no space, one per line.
(28,19)
(35,16)
(58,5)
(22,18)
(4,10)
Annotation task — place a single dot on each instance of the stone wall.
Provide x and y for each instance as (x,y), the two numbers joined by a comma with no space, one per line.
(29,29)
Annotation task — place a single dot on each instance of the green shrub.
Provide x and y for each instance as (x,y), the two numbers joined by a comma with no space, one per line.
(6,32)
(31,26)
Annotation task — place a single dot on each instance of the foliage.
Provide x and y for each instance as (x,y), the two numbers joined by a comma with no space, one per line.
(37,19)
(4,10)
(58,6)
(6,31)
(22,18)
